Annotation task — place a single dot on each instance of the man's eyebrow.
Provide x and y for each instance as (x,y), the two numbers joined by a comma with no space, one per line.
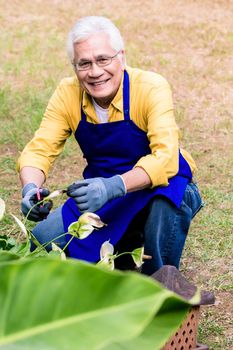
(96,57)
(84,60)
(103,55)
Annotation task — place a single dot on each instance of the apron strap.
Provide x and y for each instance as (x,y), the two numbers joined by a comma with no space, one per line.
(126,98)
(83,115)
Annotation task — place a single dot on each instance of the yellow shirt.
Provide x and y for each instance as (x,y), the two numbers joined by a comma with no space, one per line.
(151,109)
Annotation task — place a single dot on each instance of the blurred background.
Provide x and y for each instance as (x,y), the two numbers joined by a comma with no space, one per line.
(190,43)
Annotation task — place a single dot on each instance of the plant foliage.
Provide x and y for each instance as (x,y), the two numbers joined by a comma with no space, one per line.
(56,303)
(48,304)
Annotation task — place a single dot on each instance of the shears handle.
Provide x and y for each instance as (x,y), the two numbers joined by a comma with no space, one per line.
(39,197)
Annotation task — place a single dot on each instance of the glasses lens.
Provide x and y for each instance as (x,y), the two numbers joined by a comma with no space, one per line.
(103,61)
(83,65)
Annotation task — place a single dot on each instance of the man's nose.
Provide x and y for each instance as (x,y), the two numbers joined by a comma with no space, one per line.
(95,70)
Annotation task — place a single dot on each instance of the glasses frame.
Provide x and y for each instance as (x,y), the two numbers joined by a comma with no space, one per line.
(96,62)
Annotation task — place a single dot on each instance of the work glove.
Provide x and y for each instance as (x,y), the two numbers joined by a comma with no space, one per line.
(91,194)
(31,195)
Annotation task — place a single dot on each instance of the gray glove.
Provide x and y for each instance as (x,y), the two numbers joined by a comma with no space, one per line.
(91,194)
(31,194)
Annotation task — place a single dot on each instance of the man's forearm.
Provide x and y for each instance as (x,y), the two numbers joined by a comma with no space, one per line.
(136,179)
(31,174)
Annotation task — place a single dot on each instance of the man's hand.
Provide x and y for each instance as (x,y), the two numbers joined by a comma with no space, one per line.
(91,194)
(31,196)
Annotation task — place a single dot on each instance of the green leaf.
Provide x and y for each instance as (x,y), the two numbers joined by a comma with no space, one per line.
(11,242)
(4,236)
(91,219)
(106,250)
(165,322)
(39,252)
(3,243)
(107,263)
(21,226)
(58,251)
(7,256)
(7,243)
(195,300)
(53,304)
(137,255)
(107,256)
(85,225)
(2,208)
(21,248)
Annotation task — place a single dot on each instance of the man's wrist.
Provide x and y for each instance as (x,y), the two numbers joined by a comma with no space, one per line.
(123,183)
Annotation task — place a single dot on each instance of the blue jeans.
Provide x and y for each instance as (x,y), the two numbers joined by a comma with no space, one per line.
(166,229)
(49,230)
(160,226)
(163,229)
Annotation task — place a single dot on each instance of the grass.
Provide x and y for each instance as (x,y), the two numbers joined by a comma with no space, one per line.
(23,110)
(191,44)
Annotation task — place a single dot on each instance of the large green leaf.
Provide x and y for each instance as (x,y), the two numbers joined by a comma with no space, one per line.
(49,304)
(6,255)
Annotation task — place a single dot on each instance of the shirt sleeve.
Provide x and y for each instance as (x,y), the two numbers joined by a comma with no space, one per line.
(162,133)
(49,139)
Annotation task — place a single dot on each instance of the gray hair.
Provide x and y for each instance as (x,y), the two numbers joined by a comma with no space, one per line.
(90,25)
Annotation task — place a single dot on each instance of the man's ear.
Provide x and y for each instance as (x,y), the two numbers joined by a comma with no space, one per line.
(122,58)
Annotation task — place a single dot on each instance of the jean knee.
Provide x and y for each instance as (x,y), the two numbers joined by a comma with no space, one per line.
(192,198)
(51,229)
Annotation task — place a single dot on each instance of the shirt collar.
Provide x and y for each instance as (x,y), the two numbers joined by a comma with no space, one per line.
(88,106)
(86,100)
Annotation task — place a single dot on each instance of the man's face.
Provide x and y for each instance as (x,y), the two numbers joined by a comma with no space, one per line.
(101,83)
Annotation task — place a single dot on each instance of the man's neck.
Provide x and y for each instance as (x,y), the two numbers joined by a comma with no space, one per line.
(102,103)
(102,113)
(95,103)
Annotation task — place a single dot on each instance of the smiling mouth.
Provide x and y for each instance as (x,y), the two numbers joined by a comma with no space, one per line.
(97,83)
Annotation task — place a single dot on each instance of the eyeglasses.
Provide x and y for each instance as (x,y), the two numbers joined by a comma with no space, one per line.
(101,61)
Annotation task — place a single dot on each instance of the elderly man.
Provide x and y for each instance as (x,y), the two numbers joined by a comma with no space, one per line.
(136,179)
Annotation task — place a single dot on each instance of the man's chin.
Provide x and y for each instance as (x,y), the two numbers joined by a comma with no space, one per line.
(102,94)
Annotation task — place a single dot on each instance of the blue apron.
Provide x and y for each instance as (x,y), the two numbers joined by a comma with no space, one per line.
(110,149)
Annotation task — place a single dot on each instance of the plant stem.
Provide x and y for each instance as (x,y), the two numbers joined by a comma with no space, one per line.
(47,243)
(123,253)
(42,246)
(26,217)
(68,243)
